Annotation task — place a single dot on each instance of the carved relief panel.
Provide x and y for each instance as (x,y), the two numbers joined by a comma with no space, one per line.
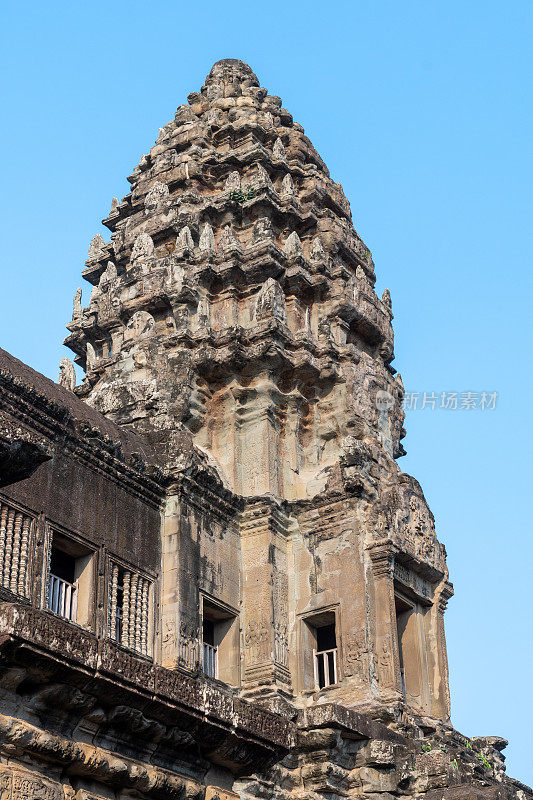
(18,784)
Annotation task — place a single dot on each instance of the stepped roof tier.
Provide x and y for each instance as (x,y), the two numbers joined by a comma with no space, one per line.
(236,301)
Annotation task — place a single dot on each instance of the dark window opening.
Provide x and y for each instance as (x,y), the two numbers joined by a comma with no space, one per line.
(209,632)
(325,638)
(62,565)
(69,565)
(219,646)
(325,661)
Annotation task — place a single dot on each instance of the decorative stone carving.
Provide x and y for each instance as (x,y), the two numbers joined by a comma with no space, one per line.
(91,356)
(143,248)
(287,186)
(140,326)
(262,230)
(228,240)
(386,663)
(110,272)
(97,248)
(157,195)
(281,644)
(262,178)
(202,313)
(355,656)
(360,274)
(317,250)
(76,306)
(233,182)
(19,784)
(207,240)
(278,150)
(257,639)
(67,375)
(184,241)
(293,246)
(270,302)
(188,649)
(95,296)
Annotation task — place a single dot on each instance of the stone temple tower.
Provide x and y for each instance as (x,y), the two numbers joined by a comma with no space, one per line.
(234,308)
(215,580)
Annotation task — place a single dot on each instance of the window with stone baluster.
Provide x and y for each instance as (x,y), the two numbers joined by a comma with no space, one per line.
(16,529)
(128,618)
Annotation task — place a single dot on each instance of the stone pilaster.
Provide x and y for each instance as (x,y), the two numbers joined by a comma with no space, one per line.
(386,660)
(440,694)
(264,527)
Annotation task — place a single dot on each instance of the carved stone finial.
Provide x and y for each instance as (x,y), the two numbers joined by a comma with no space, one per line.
(111,271)
(115,202)
(293,245)
(317,250)
(262,177)
(155,196)
(268,120)
(228,240)
(233,182)
(90,356)
(184,240)
(360,274)
(76,306)
(387,299)
(278,150)
(202,314)
(207,239)
(262,230)
(270,302)
(231,71)
(143,248)
(140,326)
(96,248)
(67,375)
(95,295)
(287,185)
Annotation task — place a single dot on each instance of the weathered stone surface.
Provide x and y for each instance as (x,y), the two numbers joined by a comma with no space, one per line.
(213,572)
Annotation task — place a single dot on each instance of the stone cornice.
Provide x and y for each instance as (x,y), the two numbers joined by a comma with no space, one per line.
(48,419)
(244,730)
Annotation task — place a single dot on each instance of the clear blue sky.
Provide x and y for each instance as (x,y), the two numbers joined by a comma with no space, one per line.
(422,110)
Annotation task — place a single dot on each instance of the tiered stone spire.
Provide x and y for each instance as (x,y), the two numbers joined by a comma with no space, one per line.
(236,299)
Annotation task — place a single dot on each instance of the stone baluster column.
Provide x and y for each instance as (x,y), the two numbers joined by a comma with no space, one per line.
(144,616)
(23,576)
(15,561)
(9,547)
(125,639)
(139,614)
(133,608)
(112,605)
(3,536)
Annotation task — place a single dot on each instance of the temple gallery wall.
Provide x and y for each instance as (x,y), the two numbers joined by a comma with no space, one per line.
(215,579)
